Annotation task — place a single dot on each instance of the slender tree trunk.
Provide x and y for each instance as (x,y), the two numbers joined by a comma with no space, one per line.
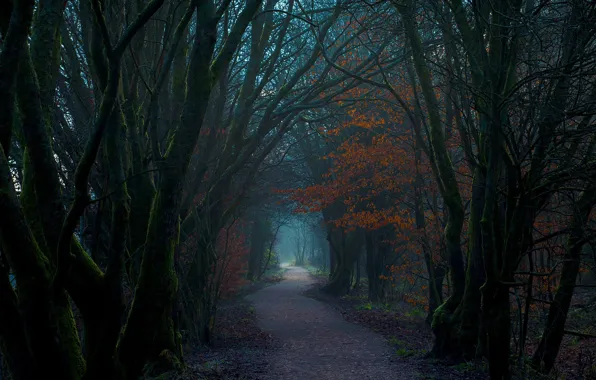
(466,320)
(13,341)
(332,256)
(258,238)
(550,343)
(345,253)
(157,284)
(496,323)
(36,295)
(375,253)
(156,289)
(104,331)
(445,176)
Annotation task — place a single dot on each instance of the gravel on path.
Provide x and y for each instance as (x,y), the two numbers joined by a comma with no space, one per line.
(315,341)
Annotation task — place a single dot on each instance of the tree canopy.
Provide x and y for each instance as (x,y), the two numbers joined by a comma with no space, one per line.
(150,153)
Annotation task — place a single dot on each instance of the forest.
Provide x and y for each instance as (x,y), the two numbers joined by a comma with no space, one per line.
(160,157)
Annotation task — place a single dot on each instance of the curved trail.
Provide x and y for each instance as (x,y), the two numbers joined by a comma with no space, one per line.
(316,341)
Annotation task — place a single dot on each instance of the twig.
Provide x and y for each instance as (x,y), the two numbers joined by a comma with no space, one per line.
(581,335)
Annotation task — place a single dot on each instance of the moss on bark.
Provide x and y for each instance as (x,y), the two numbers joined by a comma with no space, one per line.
(149,328)
(36,296)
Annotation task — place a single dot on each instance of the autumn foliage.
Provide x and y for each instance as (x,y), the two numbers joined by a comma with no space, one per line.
(232,259)
(227,274)
(372,170)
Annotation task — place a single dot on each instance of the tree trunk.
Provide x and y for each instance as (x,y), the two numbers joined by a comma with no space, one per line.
(466,321)
(149,335)
(375,252)
(258,241)
(496,323)
(103,331)
(341,274)
(550,343)
(36,295)
(13,341)
(346,247)
(437,275)
(445,176)
(198,283)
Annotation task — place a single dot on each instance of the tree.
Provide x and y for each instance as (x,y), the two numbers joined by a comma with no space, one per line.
(38,244)
(493,102)
(512,196)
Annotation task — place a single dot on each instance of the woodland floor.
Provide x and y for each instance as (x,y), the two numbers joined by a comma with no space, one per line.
(290,331)
(284,327)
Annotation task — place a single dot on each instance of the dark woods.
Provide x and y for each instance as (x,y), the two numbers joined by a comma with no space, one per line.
(151,151)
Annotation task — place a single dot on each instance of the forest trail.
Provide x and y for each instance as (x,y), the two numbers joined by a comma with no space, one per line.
(316,341)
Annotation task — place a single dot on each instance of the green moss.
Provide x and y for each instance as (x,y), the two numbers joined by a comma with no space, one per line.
(403,352)
(155,294)
(178,232)
(441,316)
(70,339)
(166,365)
(179,346)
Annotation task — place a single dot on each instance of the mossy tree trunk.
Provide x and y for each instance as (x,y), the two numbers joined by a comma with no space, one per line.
(199,293)
(445,177)
(155,292)
(511,230)
(46,259)
(45,309)
(34,92)
(157,283)
(33,274)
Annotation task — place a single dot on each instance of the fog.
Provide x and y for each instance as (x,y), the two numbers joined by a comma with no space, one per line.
(295,189)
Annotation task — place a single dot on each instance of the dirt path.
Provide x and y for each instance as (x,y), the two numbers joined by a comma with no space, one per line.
(316,342)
